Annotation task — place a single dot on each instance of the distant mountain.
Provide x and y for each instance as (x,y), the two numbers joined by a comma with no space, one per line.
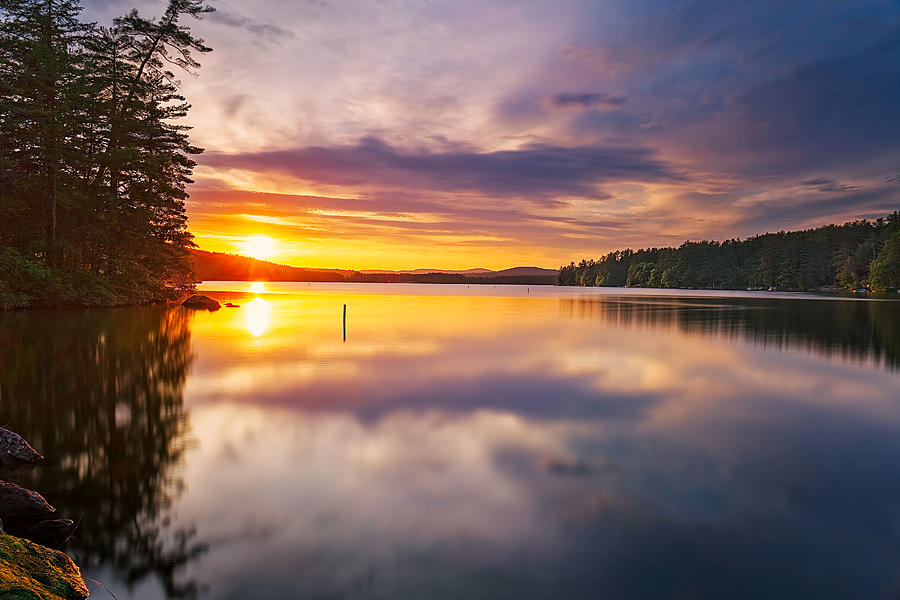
(216,266)
(513,272)
(519,272)
(424,271)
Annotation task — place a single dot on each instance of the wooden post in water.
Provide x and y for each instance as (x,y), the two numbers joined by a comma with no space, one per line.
(345,322)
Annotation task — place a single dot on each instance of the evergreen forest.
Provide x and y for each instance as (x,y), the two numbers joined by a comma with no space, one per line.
(94,156)
(861,254)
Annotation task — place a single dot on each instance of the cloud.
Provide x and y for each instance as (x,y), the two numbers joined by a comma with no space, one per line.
(765,89)
(565,128)
(816,209)
(823,113)
(273,32)
(584,101)
(541,171)
(826,184)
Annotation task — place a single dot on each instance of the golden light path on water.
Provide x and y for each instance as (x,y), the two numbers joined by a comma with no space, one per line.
(258,314)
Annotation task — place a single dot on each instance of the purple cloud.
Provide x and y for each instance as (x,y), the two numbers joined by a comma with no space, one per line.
(585,101)
(539,171)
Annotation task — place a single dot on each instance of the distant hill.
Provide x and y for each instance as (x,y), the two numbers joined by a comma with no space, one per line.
(513,272)
(425,271)
(217,266)
(519,272)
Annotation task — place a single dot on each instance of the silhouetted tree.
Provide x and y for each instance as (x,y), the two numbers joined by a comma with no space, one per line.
(94,164)
(884,272)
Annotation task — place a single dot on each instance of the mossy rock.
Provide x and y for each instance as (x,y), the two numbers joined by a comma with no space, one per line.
(32,572)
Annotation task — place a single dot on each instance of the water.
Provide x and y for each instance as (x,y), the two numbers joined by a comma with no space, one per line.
(479,442)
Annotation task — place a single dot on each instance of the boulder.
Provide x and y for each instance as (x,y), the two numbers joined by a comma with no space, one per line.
(198,301)
(16,501)
(33,572)
(14,448)
(52,533)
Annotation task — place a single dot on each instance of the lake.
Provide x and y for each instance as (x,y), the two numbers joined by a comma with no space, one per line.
(468,442)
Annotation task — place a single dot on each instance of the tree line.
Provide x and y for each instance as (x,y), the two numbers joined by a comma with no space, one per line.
(94,163)
(859,254)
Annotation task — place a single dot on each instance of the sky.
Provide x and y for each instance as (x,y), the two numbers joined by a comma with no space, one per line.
(400,134)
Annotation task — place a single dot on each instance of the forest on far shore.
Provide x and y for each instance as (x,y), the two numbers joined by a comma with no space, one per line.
(861,254)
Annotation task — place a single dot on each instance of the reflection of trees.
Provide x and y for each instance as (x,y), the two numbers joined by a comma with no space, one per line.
(100,393)
(868,330)
(885,319)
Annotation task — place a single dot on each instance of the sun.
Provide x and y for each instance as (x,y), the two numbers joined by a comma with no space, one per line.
(261,247)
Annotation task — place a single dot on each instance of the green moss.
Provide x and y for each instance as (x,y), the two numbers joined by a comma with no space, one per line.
(32,572)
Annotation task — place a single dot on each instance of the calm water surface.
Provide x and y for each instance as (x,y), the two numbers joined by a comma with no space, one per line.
(480,442)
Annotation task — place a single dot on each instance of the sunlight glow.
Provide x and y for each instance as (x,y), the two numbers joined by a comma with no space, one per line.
(258,316)
(258,287)
(261,247)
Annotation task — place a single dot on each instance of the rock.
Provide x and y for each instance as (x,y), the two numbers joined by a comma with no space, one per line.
(16,501)
(201,302)
(14,448)
(52,533)
(30,571)
(11,471)
(232,305)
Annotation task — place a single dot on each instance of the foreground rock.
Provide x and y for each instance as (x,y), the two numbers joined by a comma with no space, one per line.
(16,501)
(201,302)
(32,572)
(52,533)
(14,448)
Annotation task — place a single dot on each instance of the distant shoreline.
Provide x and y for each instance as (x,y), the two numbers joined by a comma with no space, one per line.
(636,292)
(427,278)
(211,287)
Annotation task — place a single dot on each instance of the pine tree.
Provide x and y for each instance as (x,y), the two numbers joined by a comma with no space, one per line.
(145,167)
(39,64)
(884,273)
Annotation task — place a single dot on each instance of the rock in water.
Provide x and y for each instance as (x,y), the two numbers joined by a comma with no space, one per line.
(16,501)
(28,570)
(201,302)
(13,448)
(52,533)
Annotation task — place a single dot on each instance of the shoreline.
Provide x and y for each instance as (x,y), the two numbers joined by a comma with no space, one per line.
(591,290)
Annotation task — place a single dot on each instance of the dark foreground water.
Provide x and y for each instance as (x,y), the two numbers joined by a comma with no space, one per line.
(468,443)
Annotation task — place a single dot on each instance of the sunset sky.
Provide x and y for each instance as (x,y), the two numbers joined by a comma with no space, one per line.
(454,134)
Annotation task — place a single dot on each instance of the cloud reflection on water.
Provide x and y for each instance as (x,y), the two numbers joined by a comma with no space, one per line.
(497,447)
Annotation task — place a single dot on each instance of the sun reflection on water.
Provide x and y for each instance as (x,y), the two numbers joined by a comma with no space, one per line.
(257,316)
